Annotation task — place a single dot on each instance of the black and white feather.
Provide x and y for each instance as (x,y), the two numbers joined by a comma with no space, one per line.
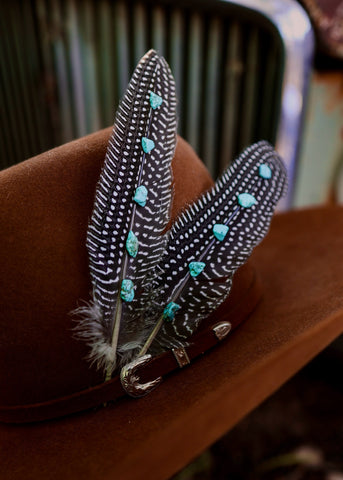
(192,240)
(151,288)
(109,318)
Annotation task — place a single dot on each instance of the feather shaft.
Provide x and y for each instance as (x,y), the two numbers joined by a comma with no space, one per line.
(151,337)
(114,341)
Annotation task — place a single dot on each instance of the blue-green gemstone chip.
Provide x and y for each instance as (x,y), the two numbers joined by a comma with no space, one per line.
(141,195)
(246,200)
(155,100)
(132,244)
(264,171)
(147,144)
(195,268)
(127,291)
(170,310)
(219,231)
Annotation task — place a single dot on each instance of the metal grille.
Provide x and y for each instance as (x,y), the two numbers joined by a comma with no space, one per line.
(65,65)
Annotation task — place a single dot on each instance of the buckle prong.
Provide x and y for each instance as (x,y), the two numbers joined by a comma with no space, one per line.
(221,330)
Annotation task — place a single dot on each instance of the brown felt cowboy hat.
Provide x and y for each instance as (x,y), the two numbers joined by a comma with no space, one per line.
(45,208)
(59,418)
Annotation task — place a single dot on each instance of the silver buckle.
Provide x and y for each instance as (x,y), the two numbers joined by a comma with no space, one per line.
(130,379)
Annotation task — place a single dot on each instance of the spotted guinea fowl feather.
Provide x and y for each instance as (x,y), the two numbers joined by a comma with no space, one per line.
(209,242)
(126,237)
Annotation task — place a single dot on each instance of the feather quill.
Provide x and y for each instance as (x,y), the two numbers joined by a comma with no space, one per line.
(195,275)
(126,238)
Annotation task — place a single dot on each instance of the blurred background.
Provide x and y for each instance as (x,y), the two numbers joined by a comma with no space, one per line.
(244,70)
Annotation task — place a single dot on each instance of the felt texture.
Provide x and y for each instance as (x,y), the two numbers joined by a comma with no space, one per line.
(44,211)
(244,296)
(46,203)
(300,267)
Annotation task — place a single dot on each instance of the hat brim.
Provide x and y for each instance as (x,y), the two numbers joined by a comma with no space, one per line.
(301,312)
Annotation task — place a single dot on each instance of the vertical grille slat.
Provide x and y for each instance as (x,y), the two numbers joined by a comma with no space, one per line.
(22,74)
(68,63)
(107,74)
(16,95)
(37,49)
(10,125)
(233,71)
(211,124)
(159,29)
(30,80)
(248,102)
(66,129)
(75,64)
(268,120)
(193,91)
(176,59)
(139,33)
(122,42)
(90,66)
(10,149)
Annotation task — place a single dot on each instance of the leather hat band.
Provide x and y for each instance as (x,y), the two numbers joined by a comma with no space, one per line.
(142,375)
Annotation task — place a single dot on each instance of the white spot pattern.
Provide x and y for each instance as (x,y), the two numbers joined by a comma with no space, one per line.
(192,238)
(115,214)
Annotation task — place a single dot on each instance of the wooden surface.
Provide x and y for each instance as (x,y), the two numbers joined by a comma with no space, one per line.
(300,265)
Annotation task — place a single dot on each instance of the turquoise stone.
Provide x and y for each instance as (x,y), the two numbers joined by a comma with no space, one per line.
(195,268)
(155,100)
(132,244)
(127,291)
(220,230)
(147,144)
(246,200)
(141,195)
(264,171)
(170,310)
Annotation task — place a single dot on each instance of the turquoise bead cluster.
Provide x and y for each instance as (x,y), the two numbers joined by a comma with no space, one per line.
(245,200)
(127,290)
(219,230)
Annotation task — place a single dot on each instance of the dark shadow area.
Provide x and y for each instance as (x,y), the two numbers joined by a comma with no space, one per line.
(297,434)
